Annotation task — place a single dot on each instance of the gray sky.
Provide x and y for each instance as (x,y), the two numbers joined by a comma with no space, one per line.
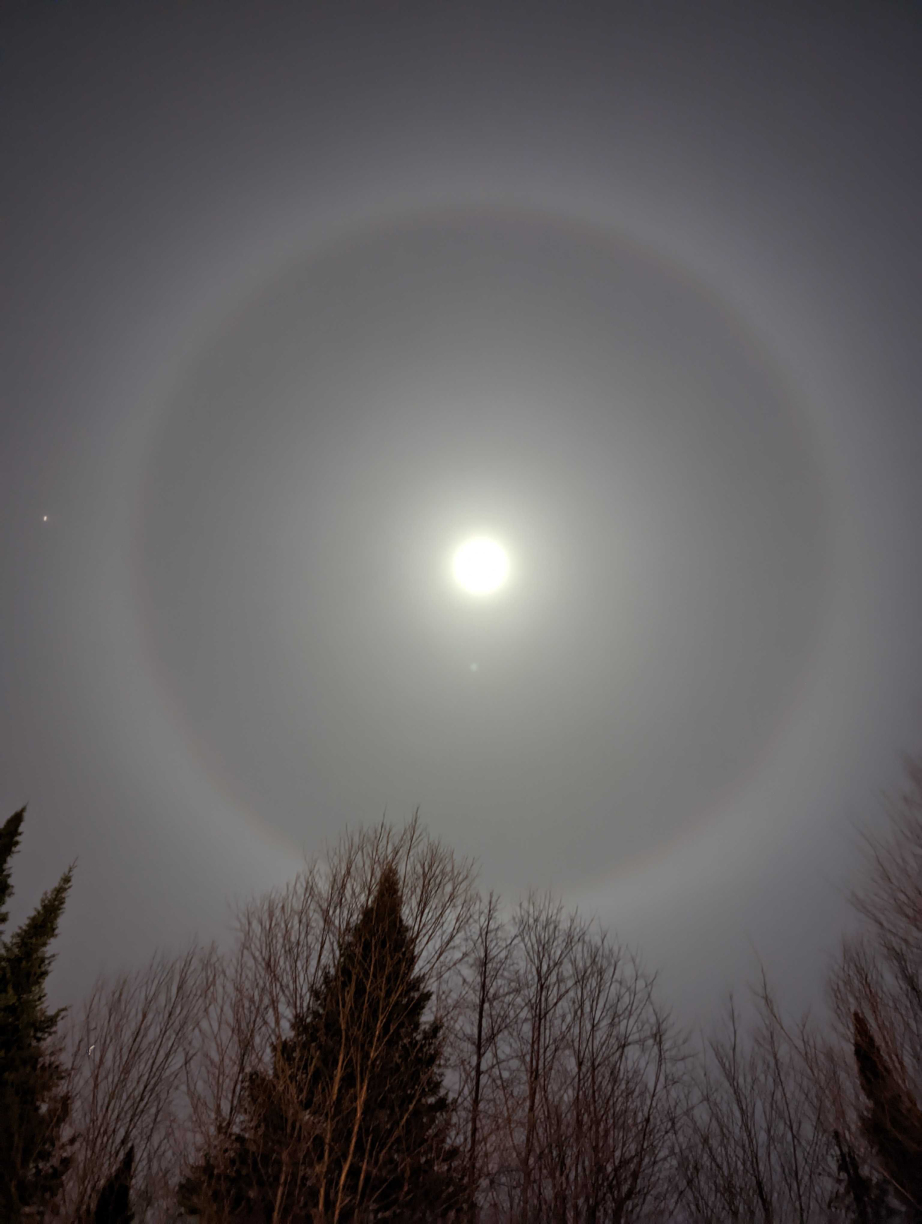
(296,297)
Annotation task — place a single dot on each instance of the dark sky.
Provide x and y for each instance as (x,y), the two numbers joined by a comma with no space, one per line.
(296,297)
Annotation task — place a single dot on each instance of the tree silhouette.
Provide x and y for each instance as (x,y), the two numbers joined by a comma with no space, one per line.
(351,1121)
(114,1203)
(893,1123)
(866,1199)
(33,1103)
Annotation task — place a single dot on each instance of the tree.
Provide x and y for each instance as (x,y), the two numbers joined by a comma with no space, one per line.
(867,1199)
(577,1068)
(114,1204)
(350,1122)
(876,995)
(486,988)
(374,1070)
(754,1141)
(893,1122)
(33,1101)
(129,1045)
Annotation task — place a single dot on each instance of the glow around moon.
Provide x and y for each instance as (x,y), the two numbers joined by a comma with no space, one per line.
(480,566)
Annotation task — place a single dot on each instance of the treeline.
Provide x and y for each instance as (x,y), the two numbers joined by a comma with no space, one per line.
(383,1042)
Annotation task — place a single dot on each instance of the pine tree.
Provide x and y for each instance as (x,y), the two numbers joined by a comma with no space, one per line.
(893,1123)
(114,1203)
(384,1104)
(866,1199)
(351,1122)
(33,1103)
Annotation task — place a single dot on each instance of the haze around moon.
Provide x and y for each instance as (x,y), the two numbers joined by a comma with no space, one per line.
(662,483)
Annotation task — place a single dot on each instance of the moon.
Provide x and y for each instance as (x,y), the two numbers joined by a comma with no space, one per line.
(480,566)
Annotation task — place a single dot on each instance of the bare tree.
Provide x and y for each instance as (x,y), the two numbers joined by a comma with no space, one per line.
(546,937)
(623,1068)
(578,1075)
(129,1046)
(756,1141)
(477,1010)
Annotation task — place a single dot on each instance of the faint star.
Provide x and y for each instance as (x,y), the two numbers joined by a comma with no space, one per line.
(44,518)
(474,666)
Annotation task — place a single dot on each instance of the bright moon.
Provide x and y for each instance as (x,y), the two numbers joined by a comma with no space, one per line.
(480,566)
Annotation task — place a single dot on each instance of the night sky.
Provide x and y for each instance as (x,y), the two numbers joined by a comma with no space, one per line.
(296,298)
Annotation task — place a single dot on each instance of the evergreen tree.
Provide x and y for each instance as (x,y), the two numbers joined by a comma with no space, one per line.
(866,1199)
(893,1123)
(114,1203)
(351,1122)
(33,1104)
